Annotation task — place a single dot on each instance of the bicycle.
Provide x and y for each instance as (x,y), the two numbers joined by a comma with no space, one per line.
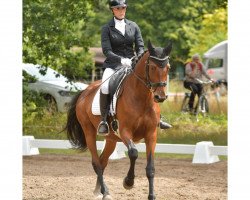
(201,106)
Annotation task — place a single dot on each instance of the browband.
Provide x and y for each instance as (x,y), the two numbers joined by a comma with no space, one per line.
(159,59)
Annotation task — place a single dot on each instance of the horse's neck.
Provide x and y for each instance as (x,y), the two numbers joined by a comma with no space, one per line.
(140,67)
(137,86)
(140,71)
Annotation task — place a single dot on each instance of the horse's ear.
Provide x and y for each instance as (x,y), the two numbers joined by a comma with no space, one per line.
(151,48)
(168,49)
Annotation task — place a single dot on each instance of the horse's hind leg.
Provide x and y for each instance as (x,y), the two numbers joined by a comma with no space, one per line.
(89,131)
(100,185)
(107,151)
(128,181)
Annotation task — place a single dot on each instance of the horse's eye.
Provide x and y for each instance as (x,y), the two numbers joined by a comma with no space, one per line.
(153,67)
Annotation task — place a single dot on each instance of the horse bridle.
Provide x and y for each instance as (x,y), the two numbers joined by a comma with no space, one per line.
(162,63)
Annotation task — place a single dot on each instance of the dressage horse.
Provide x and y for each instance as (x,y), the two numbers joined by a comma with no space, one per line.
(138,114)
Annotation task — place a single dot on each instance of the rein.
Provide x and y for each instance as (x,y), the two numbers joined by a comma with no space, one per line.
(148,83)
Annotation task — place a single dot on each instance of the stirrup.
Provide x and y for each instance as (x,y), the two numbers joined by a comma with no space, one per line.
(103,129)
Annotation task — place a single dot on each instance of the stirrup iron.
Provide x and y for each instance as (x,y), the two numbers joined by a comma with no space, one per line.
(103,123)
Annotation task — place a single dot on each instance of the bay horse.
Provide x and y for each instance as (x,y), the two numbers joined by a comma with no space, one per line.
(138,113)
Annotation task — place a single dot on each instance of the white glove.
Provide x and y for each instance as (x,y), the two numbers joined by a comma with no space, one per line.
(212,80)
(126,62)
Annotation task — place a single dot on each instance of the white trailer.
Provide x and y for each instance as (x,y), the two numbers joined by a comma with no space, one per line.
(215,61)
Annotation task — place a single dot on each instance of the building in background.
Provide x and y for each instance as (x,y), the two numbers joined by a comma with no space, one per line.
(99,58)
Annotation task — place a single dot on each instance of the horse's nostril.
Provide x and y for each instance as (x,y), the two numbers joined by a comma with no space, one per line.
(157,97)
(166,96)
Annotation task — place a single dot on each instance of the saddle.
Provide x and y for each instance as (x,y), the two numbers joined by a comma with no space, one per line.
(116,82)
(115,89)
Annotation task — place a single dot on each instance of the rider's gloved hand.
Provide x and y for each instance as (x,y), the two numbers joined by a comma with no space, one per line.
(212,80)
(126,62)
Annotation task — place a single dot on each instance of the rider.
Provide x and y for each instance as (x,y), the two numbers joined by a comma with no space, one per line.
(193,71)
(117,38)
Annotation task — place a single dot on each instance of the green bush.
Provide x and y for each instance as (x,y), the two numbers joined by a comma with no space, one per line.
(186,130)
(33,105)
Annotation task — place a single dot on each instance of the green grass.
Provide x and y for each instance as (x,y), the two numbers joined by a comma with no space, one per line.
(47,127)
(186,130)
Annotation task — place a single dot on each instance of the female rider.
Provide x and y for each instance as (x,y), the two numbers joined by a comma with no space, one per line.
(120,39)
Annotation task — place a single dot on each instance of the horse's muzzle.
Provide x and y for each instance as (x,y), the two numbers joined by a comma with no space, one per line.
(159,98)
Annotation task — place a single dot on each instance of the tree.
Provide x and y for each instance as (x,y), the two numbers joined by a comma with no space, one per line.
(161,21)
(102,16)
(176,20)
(213,31)
(51,30)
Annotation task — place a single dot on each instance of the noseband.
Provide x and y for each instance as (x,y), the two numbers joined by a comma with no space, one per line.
(162,63)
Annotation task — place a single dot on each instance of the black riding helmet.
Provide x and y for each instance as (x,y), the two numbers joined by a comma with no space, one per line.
(117,3)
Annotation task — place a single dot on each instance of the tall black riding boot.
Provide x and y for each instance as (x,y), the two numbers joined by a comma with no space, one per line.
(164,125)
(103,128)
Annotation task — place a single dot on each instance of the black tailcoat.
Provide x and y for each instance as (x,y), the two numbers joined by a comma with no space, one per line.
(116,46)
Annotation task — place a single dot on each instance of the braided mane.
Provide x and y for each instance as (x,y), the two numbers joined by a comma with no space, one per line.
(135,61)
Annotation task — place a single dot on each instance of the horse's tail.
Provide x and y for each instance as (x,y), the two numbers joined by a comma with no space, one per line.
(74,130)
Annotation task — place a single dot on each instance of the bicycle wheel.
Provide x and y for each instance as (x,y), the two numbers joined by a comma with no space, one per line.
(203,105)
(184,106)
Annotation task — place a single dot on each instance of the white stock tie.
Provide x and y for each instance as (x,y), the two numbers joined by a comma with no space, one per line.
(120,25)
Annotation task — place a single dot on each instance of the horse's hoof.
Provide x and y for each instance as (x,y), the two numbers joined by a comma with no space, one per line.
(128,184)
(107,197)
(98,197)
(151,197)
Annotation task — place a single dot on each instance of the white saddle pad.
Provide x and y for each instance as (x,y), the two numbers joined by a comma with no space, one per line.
(96,104)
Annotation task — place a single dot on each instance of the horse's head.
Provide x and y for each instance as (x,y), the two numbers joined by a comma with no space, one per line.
(157,67)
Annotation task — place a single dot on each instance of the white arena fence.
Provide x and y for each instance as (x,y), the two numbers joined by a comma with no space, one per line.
(203,152)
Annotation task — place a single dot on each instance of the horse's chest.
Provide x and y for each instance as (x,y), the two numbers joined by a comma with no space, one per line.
(147,122)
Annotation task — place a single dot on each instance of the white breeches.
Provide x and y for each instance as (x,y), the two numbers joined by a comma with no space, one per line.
(105,80)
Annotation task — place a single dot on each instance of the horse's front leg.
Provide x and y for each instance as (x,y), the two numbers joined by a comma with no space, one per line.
(150,169)
(128,181)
